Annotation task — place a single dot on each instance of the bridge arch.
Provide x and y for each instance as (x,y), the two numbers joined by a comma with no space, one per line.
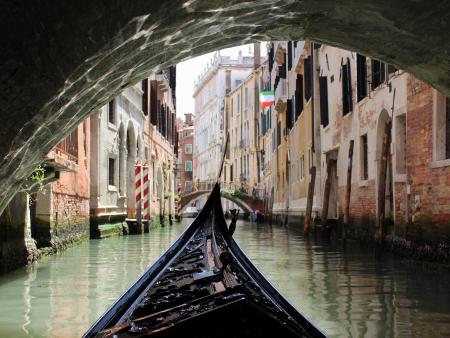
(116,44)
(243,204)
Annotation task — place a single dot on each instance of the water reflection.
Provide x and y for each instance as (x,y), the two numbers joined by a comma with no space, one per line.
(346,292)
(62,295)
(349,292)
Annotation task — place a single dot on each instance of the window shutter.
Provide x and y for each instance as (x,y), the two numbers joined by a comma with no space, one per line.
(349,86)
(153,103)
(289,55)
(289,114)
(299,93)
(308,78)
(347,104)
(145,96)
(361,76)
(323,87)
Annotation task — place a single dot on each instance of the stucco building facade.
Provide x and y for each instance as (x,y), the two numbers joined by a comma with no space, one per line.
(328,100)
(137,128)
(224,73)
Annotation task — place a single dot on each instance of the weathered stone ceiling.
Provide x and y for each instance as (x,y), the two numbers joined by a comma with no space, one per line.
(60,60)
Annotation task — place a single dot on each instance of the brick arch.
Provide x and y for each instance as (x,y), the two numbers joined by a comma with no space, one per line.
(52,85)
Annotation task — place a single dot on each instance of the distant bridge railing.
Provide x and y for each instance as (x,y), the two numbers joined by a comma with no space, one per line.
(241,186)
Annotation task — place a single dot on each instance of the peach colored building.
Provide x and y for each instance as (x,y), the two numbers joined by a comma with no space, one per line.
(59,214)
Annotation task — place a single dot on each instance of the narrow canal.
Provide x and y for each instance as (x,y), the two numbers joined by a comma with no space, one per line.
(345,292)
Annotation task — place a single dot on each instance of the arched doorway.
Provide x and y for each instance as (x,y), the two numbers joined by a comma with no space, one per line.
(122,161)
(131,160)
(384,181)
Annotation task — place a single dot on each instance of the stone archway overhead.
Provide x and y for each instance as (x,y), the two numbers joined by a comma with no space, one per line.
(61,61)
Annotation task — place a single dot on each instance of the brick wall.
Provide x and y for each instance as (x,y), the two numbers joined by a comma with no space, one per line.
(430,186)
(70,217)
(362,209)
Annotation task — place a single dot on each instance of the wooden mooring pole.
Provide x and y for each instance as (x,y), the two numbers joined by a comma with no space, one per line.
(309,202)
(326,193)
(348,190)
(382,182)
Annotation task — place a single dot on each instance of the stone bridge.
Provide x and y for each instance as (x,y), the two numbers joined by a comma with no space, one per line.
(63,60)
(245,201)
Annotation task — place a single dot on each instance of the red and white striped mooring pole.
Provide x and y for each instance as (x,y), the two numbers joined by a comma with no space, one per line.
(146,185)
(138,186)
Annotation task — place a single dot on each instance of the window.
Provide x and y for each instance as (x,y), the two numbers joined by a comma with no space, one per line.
(378,73)
(237,82)
(347,102)
(400,144)
(238,103)
(290,56)
(112,112)
(188,166)
(282,69)
(302,167)
(442,127)
(245,98)
(361,76)
(308,77)
(298,96)
(111,171)
(323,88)
(289,120)
(391,69)
(310,158)
(364,158)
(278,133)
(145,97)
(188,186)
(188,149)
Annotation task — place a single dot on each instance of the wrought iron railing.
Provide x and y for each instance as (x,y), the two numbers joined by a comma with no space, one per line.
(69,146)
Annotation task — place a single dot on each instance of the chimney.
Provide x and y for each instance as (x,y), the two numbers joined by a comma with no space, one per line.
(257,54)
(240,58)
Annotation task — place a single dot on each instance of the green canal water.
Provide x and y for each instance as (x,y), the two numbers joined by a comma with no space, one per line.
(345,292)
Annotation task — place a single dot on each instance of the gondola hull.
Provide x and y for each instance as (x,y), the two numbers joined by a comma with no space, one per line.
(203,286)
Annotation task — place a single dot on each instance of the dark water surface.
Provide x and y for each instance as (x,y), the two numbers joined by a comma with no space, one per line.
(345,292)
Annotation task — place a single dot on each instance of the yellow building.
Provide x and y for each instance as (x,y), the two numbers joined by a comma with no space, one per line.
(294,148)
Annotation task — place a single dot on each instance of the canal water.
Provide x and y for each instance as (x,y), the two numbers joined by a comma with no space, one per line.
(345,292)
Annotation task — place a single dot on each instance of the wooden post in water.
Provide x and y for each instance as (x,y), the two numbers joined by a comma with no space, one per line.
(382,181)
(309,202)
(326,193)
(348,189)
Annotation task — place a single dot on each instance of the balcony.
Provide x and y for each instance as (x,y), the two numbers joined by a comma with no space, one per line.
(163,82)
(281,95)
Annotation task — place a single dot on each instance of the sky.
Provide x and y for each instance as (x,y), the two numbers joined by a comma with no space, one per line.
(188,71)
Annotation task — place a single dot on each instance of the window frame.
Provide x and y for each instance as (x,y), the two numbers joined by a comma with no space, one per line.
(185,166)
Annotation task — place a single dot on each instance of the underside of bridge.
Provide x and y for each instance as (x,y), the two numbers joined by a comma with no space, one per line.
(61,60)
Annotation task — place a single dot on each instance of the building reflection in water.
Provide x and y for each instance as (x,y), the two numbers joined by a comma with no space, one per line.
(347,292)
(351,292)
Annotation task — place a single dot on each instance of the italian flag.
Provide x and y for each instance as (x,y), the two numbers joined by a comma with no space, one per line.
(266,99)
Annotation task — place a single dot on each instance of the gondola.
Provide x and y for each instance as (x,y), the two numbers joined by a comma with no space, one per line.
(203,286)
